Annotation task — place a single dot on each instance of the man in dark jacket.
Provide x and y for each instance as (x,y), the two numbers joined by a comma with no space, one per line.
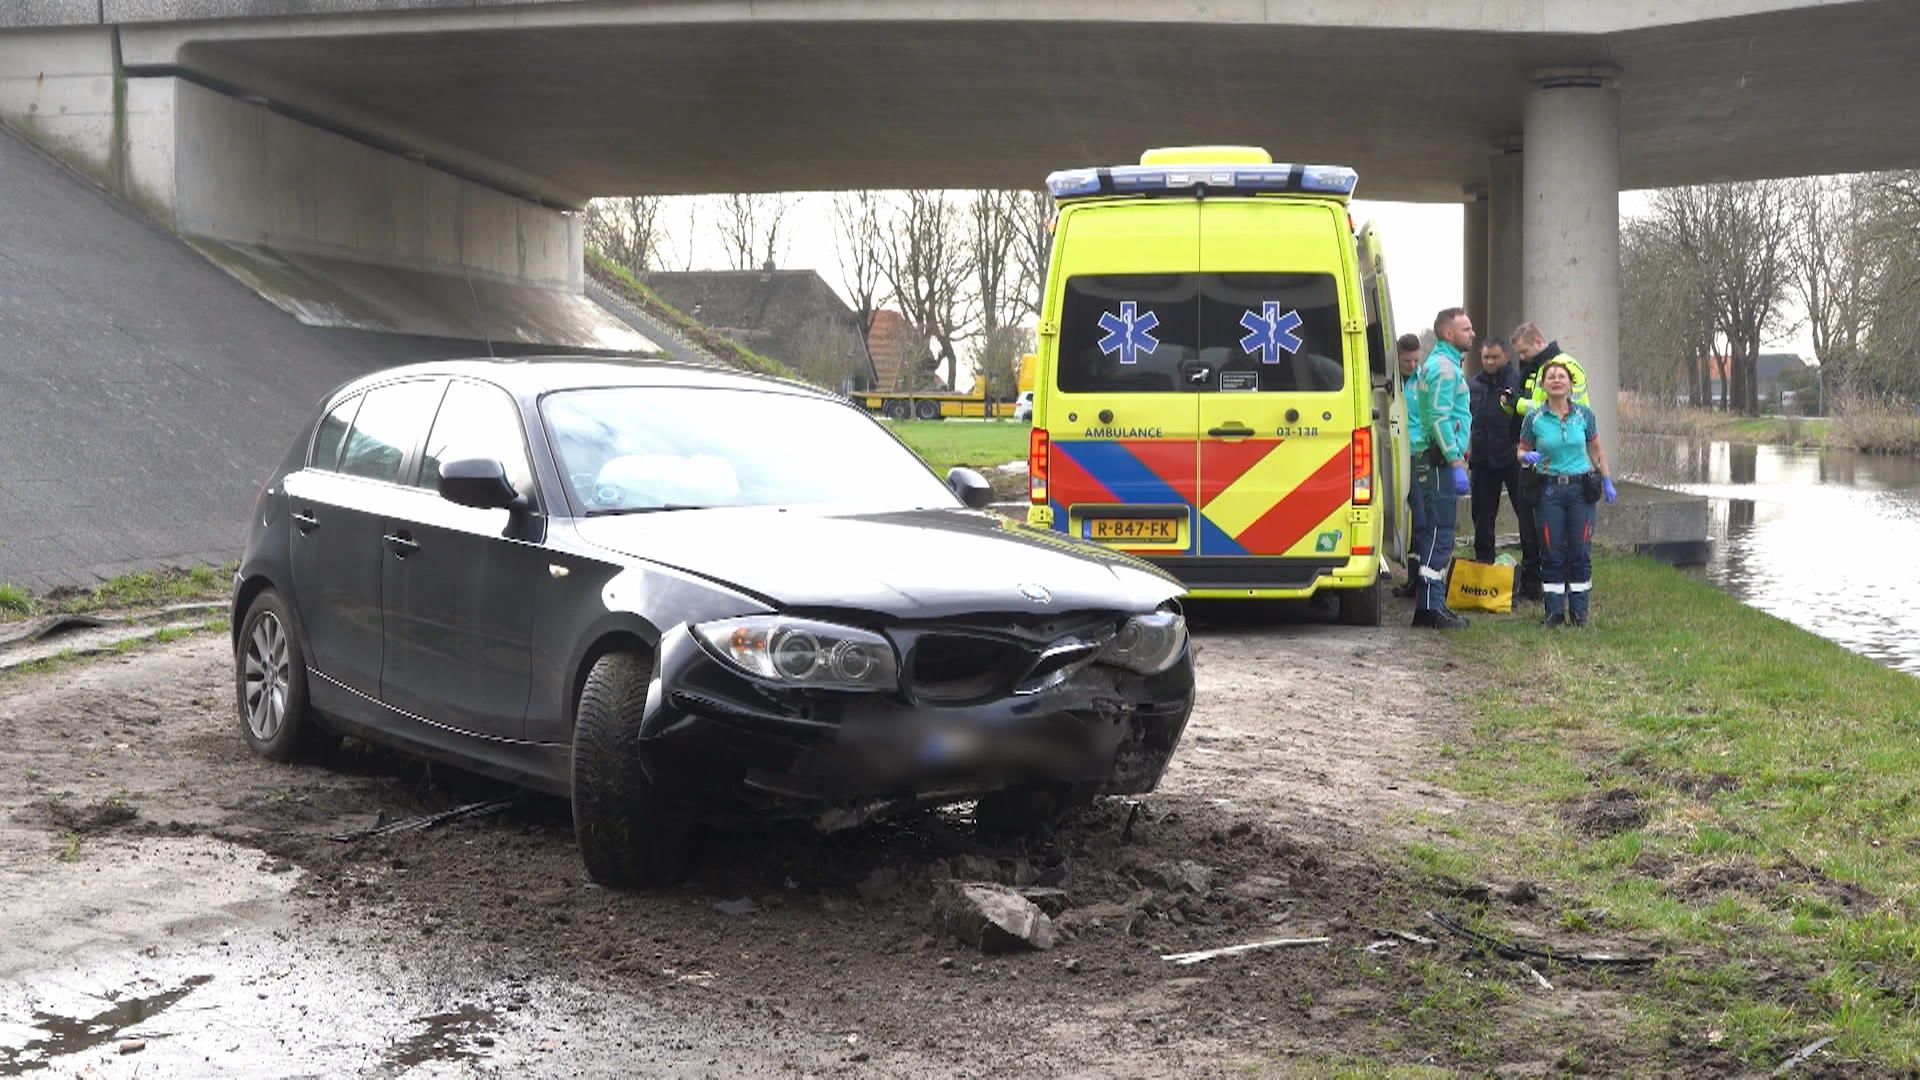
(1493,462)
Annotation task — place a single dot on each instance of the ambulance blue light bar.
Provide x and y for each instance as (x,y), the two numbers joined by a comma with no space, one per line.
(1213,179)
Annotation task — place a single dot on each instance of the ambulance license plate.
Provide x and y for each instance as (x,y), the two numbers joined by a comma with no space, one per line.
(1139,530)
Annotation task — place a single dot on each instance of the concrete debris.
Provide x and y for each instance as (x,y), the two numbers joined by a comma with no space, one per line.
(992,918)
(1050,900)
(132,1046)
(1184,876)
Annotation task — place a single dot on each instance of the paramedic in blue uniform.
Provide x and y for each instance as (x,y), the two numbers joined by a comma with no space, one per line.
(1409,347)
(1440,462)
(1562,441)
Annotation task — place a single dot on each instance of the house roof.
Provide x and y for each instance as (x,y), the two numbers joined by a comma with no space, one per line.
(768,311)
(890,342)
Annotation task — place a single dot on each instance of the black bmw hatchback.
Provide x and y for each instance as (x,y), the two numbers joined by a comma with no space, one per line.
(679,595)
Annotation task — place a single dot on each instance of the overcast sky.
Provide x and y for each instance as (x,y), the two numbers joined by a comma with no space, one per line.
(1423,243)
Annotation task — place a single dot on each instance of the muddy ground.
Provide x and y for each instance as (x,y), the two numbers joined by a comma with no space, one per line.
(175,906)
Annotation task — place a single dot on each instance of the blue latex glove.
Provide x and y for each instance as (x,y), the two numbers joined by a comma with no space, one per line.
(1530,458)
(1460,485)
(1606,485)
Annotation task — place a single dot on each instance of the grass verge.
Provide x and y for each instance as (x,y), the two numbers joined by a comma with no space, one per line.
(944,444)
(1712,784)
(140,589)
(621,280)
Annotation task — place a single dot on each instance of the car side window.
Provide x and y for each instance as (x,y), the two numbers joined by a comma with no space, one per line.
(387,428)
(333,432)
(477,421)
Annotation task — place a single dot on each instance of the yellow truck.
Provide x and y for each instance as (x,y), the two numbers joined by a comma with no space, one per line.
(935,405)
(1216,390)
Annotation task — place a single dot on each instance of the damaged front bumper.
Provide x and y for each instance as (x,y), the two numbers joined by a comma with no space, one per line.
(729,745)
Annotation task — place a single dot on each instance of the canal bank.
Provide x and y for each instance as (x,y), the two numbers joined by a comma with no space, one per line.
(1712,787)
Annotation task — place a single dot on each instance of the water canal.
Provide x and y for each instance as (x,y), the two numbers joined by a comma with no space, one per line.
(1826,539)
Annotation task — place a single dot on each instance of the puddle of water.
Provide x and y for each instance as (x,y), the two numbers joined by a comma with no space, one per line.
(71,1034)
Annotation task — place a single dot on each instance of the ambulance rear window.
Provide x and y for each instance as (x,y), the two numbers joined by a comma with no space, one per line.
(1200,333)
(1128,333)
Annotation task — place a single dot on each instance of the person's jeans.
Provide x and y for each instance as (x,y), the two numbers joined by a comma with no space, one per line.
(1566,547)
(1433,543)
(1487,482)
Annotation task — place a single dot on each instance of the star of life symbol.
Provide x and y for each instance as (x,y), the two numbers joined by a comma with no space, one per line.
(1128,333)
(1270,332)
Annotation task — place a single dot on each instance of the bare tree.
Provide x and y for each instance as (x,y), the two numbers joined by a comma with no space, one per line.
(993,233)
(996,359)
(1662,310)
(750,229)
(926,266)
(1737,236)
(1834,271)
(1033,251)
(858,240)
(627,229)
(828,351)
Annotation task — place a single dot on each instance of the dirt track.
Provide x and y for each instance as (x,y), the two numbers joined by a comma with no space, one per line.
(160,882)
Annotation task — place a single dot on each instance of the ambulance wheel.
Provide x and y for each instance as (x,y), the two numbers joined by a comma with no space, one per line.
(927,410)
(896,410)
(1361,607)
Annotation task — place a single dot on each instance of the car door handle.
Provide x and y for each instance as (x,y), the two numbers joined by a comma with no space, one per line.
(401,544)
(1235,431)
(305,521)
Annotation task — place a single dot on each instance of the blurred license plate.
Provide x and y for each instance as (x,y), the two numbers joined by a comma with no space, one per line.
(1150,530)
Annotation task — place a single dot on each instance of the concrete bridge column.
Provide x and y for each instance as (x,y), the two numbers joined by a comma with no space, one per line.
(1572,224)
(1473,259)
(1506,248)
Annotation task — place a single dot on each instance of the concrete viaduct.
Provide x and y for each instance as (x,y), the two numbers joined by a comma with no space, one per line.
(366,162)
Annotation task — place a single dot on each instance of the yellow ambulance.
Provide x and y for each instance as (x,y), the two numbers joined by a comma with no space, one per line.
(1217,389)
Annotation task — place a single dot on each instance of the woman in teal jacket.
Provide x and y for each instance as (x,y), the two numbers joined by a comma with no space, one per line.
(1562,441)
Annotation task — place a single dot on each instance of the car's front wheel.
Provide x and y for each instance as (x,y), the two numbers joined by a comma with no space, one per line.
(270,685)
(630,836)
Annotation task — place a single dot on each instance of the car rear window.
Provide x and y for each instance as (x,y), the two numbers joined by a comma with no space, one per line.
(628,449)
(1205,333)
(387,428)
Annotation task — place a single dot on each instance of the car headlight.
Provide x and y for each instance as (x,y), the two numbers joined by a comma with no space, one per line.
(1148,644)
(803,653)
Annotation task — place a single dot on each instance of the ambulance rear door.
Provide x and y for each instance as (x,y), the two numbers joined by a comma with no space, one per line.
(1121,410)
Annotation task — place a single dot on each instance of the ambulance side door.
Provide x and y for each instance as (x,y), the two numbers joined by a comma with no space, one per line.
(1390,435)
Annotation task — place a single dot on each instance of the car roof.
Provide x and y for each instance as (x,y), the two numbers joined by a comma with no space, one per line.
(531,376)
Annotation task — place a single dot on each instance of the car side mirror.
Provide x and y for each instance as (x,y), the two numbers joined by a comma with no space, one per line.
(477,482)
(972,488)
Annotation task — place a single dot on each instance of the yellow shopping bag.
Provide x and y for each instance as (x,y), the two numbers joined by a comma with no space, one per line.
(1475,586)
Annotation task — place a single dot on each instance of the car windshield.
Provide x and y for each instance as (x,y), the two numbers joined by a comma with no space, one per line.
(638,449)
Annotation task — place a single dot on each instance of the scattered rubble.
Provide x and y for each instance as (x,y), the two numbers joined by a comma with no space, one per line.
(992,918)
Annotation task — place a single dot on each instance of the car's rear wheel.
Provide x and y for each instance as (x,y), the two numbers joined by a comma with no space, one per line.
(630,836)
(896,410)
(927,410)
(1361,607)
(270,685)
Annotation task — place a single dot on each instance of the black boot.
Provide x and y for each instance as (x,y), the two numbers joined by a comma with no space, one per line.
(1556,603)
(1440,619)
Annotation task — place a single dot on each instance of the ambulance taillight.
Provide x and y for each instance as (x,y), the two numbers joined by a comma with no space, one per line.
(1363,467)
(1037,466)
